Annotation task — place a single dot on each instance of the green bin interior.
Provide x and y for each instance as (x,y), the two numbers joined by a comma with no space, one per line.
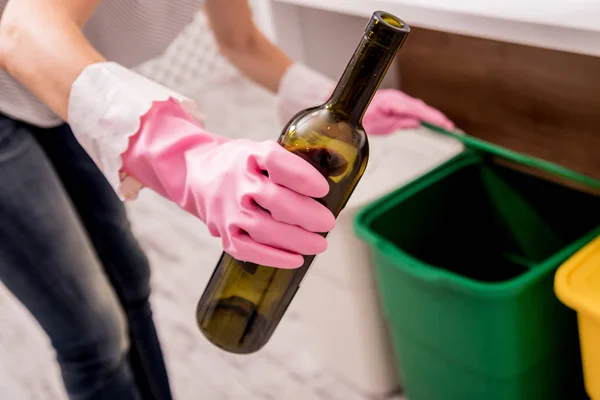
(465,258)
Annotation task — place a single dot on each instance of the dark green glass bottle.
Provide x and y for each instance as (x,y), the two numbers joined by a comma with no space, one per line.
(243,302)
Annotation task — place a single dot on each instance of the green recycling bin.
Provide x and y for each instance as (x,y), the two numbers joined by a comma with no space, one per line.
(465,260)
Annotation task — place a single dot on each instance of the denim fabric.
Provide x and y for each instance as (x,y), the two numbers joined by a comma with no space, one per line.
(68,255)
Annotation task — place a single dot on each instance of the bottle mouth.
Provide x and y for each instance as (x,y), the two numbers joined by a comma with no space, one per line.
(387,30)
(390,19)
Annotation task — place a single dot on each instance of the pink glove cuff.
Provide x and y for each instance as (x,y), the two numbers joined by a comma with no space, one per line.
(106,103)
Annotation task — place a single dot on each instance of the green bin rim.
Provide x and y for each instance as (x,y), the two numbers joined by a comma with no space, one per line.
(529,161)
(432,273)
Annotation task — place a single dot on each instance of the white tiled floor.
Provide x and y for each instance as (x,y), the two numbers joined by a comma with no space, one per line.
(182,256)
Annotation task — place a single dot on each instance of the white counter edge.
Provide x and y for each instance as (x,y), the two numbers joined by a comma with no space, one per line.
(563,35)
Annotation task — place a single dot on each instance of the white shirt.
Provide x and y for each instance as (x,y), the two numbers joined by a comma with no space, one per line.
(128,32)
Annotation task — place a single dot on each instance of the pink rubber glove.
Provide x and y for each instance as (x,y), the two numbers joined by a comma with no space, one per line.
(392,110)
(265,220)
(389,111)
(257,197)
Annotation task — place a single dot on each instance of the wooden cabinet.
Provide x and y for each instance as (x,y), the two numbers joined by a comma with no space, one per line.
(541,102)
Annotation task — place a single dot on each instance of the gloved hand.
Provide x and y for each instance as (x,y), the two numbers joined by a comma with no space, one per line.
(267,219)
(389,111)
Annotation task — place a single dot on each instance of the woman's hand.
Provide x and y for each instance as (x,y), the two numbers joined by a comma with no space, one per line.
(392,110)
(130,124)
(256,197)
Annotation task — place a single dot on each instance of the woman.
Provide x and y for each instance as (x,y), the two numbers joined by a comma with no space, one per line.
(79,131)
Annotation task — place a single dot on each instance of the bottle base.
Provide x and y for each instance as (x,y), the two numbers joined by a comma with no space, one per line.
(233,325)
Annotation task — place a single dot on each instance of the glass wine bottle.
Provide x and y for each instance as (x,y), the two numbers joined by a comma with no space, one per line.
(244,302)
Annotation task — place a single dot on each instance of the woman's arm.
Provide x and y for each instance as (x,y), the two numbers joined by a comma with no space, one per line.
(297,86)
(242,43)
(42,46)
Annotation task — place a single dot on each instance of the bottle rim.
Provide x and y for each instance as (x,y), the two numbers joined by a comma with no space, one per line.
(387,30)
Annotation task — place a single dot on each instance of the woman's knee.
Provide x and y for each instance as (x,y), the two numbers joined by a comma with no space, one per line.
(98,342)
(94,350)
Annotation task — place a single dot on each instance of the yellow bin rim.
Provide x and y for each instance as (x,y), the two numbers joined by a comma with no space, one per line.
(577,280)
(577,285)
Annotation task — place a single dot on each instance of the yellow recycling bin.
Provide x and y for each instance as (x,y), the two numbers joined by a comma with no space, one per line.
(577,285)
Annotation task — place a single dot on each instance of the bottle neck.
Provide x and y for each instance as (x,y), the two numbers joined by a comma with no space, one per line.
(361,79)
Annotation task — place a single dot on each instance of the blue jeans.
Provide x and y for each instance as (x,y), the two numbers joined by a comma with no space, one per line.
(68,254)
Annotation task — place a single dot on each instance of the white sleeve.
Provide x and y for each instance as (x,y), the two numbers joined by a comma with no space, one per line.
(301,87)
(106,104)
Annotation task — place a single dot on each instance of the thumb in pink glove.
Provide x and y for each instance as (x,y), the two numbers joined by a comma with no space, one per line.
(269,219)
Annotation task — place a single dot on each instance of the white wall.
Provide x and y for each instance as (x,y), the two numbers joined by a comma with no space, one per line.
(322,40)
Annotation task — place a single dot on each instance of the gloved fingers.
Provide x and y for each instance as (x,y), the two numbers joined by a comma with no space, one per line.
(244,248)
(292,208)
(435,116)
(386,126)
(289,170)
(263,229)
(417,108)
